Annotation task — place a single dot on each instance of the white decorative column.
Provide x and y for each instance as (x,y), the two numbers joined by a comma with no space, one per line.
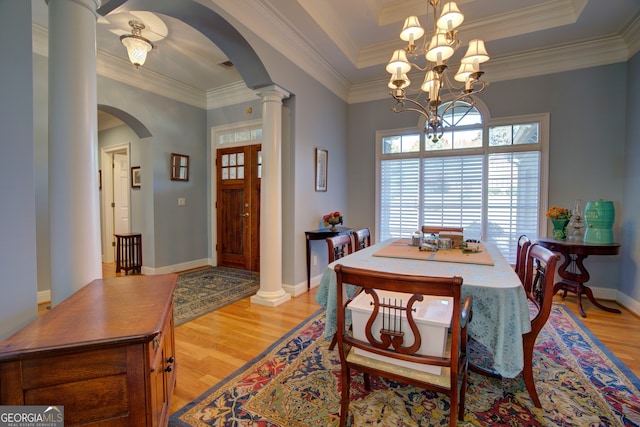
(74,206)
(271,292)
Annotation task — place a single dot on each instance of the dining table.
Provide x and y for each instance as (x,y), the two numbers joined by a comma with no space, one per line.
(500,308)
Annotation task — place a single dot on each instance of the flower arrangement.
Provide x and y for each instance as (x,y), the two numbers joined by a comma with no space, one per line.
(556,212)
(332,218)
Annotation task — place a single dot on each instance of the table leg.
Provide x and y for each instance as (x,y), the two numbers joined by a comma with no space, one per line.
(589,294)
(308,266)
(574,281)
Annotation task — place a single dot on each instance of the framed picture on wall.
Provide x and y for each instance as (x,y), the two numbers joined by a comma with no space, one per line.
(179,167)
(135,177)
(322,159)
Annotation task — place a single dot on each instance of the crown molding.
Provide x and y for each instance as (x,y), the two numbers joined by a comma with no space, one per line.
(521,21)
(117,69)
(631,36)
(326,19)
(271,26)
(231,94)
(613,49)
(575,56)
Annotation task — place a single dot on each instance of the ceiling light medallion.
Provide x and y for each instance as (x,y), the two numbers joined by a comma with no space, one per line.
(437,50)
(137,46)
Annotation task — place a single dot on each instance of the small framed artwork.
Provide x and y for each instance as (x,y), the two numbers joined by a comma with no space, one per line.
(179,167)
(322,158)
(135,177)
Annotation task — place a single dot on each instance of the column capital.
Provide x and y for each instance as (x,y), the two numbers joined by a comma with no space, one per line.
(275,91)
(92,5)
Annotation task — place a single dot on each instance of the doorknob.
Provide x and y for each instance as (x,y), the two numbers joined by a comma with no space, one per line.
(246,214)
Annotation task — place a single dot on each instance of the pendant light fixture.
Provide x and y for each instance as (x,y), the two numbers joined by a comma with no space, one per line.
(137,46)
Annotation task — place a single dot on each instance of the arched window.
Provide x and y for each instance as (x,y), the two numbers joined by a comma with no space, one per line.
(485,175)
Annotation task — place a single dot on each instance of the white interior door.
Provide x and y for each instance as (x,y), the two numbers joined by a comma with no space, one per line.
(114,198)
(121,193)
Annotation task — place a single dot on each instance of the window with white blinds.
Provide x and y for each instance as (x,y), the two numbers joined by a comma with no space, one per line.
(493,191)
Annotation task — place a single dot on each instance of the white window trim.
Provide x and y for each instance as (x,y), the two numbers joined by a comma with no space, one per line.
(543,138)
(248,125)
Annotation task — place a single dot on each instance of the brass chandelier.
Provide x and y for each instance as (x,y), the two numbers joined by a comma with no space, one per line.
(436,51)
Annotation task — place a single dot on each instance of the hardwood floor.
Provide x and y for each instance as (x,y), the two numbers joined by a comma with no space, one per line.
(215,345)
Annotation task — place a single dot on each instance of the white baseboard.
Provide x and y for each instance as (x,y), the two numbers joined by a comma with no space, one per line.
(149,271)
(301,288)
(629,303)
(44,296)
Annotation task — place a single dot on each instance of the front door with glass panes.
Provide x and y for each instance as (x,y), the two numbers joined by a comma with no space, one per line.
(238,171)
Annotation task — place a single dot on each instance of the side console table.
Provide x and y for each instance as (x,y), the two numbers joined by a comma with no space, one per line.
(106,353)
(320,234)
(572,270)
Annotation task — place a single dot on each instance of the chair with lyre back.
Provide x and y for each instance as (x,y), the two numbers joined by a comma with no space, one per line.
(521,256)
(339,246)
(538,284)
(361,238)
(390,342)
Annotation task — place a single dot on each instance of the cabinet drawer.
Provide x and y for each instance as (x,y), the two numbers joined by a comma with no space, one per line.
(53,370)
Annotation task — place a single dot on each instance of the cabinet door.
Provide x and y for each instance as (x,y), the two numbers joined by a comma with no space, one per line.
(162,375)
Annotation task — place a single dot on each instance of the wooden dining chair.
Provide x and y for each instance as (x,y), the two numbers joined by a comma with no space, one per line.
(361,238)
(521,256)
(538,283)
(392,339)
(339,246)
(429,229)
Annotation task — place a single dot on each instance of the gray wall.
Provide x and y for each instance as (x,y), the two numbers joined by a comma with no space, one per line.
(587,142)
(630,277)
(176,234)
(17,210)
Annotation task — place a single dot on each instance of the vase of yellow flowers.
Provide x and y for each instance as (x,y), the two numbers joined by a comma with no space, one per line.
(332,219)
(559,218)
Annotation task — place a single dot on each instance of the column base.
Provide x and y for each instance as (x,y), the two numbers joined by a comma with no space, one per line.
(271,299)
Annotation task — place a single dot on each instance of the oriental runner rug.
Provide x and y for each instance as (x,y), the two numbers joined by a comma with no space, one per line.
(200,291)
(296,382)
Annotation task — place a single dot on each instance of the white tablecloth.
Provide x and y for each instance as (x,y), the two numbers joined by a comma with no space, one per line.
(500,310)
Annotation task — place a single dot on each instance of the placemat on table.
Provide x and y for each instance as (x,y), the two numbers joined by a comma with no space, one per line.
(402,248)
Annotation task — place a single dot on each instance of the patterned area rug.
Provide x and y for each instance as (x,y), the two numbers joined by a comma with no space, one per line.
(296,383)
(201,291)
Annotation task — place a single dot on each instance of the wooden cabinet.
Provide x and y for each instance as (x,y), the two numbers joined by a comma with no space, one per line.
(106,354)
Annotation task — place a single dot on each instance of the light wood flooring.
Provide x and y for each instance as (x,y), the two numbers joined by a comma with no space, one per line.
(215,345)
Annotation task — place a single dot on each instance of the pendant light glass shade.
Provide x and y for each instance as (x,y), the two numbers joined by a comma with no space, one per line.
(137,46)
(137,50)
